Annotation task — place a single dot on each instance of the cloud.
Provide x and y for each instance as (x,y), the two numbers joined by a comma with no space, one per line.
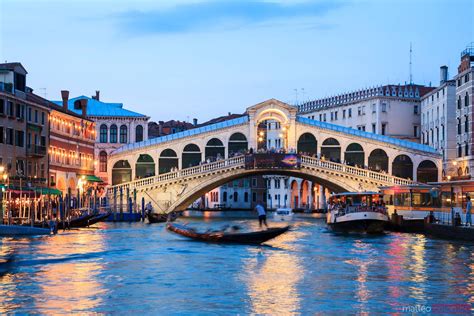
(224,14)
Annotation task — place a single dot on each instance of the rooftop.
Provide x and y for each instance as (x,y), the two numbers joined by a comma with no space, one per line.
(407,91)
(99,108)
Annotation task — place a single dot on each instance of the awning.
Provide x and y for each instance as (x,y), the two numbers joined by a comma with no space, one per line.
(92,178)
(50,191)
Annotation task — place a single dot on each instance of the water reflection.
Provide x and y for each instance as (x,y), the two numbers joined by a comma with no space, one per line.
(59,281)
(272,276)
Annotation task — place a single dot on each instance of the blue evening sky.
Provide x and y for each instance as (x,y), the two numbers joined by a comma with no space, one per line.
(191,58)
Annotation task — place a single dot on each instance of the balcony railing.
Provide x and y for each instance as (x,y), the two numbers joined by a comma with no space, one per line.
(36,150)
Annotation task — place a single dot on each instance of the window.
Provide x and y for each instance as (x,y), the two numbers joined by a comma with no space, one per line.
(335,115)
(384,128)
(254,196)
(224,196)
(139,133)
(373,128)
(36,116)
(359,111)
(2,137)
(332,116)
(123,134)
(459,151)
(277,183)
(10,109)
(103,161)
(350,113)
(320,117)
(361,128)
(459,82)
(384,107)
(113,133)
(459,126)
(324,117)
(459,102)
(9,136)
(29,114)
(246,197)
(466,123)
(466,78)
(103,133)
(20,138)
(2,106)
(415,109)
(466,149)
(254,182)
(236,196)
(415,131)
(43,118)
(442,132)
(466,99)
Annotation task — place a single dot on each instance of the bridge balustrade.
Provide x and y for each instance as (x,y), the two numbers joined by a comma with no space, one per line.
(239,161)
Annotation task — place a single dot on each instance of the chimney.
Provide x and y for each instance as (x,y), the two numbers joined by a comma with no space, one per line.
(443,74)
(195,121)
(160,127)
(84,107)
(97,95)
(65,97)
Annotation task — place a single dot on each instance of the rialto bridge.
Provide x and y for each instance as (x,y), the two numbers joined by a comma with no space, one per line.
(174,170)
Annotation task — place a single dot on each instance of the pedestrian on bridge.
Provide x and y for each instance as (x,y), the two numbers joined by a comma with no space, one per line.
(262,215)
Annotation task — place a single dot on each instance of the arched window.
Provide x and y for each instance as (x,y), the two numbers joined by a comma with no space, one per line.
(113,133)
(224,197)
(103,161)
(236,196)
(139,133)
(103,133)
(123,134)
(466,99)
(246,197)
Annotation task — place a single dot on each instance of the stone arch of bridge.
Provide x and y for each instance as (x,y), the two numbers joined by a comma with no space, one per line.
(198,188)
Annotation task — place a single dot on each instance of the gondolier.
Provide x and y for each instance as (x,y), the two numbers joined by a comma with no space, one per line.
(262,215)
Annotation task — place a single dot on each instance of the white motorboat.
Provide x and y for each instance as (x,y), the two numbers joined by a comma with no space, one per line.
(283,214)
(358,212)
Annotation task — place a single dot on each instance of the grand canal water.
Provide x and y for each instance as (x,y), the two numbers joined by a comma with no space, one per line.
(141,268)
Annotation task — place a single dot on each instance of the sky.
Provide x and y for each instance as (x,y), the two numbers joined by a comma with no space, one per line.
(186,59)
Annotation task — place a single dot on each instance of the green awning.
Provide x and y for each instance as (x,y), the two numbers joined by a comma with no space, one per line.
(92,178)
(50,191)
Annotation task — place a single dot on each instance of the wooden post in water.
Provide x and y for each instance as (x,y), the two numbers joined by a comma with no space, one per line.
(115,204)
(134,200)
(143,209)
(121,203)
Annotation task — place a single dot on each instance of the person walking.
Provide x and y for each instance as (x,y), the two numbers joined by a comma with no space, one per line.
(468,211)
(262,215)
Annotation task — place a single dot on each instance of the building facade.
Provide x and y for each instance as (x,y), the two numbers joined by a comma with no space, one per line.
(114,127)
(24,129)
(71,150)
(392,110)
(464,162)
(438,120)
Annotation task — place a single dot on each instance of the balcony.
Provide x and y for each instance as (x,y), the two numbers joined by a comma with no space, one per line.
(6,87)
(36,151)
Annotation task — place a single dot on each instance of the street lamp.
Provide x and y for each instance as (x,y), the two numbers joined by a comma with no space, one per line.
(4,191)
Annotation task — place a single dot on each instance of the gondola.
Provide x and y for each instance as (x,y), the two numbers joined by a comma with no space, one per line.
(98,218)
(257,237)
(161,218)
(78,222)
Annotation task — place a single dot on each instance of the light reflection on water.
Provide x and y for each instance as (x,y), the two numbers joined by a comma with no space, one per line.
(141,268)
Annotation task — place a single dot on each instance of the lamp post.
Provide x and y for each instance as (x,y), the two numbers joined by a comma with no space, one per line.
(4,177)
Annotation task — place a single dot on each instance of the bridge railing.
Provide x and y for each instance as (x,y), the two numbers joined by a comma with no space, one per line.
(240,161)
(378,176)
(201,169)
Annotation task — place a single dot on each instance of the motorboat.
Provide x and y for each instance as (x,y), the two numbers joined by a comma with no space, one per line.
(222,236)
(357,212)
(283,214)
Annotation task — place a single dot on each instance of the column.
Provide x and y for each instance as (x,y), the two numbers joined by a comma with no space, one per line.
(322,197)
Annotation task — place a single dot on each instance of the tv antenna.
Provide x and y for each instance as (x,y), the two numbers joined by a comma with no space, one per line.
(411,73)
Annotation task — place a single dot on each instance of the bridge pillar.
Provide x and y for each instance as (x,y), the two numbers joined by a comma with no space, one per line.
(322,197)
(291,135)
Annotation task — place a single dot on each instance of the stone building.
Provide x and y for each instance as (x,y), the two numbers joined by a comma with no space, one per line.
(115,126)
(438,120)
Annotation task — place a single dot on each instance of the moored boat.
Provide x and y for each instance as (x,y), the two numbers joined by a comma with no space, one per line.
(101,217)
(161,217)
(19,230)
(256,237)
(357,212)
